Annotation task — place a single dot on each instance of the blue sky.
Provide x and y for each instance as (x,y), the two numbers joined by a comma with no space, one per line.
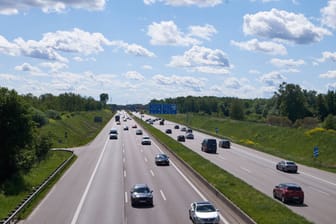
(138,50)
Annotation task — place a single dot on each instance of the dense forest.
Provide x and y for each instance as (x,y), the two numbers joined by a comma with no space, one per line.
(290,106)
(21,144)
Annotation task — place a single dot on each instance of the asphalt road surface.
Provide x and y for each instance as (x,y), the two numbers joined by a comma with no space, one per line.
(96,189)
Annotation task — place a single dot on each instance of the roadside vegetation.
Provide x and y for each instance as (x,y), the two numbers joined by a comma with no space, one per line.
(261,208)
(30,126)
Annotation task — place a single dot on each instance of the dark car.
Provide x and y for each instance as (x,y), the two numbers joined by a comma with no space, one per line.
(183,129)
(203,212)
(138,132)
(224,143)
(209,145)
(141,194)
(176,127)
(168,131)
(162,159)
(287,192)
(287,166)
(181,138)
(189,136)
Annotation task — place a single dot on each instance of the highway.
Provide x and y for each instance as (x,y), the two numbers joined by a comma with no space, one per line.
(258,169)
(96,189)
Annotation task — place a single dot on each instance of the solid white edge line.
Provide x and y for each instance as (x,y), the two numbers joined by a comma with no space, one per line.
(126,197)
(81,203)
(162,195)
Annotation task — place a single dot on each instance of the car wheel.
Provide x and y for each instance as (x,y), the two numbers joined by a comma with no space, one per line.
(283,199)
(274,196)
(301,202)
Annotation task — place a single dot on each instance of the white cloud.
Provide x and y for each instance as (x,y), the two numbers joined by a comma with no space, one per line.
(147,67)
(262,46)
(283,25)
(167,33)
(134,75)
(204,32)
(202,59)
(329,75)
(327,55)
(54,66)
(179,82)
(199,3)
(11,7)
(329,14)
(272,79)
(26,67)
(134,49)
(286,62)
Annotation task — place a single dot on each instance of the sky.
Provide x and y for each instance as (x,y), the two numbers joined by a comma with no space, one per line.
(139,50)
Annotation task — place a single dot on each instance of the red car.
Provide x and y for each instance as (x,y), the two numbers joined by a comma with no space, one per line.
(287,192)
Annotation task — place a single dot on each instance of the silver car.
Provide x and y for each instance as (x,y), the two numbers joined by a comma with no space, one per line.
(203,212)
(287,166)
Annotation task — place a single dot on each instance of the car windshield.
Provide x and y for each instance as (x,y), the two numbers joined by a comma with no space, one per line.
(290,163)
(205,208)
(162,156)
(142,190)
(294,188)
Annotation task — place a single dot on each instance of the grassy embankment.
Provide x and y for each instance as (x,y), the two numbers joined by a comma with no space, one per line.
(257,205)
(289,143)
(80,128)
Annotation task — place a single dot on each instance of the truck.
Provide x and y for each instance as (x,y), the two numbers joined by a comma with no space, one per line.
(117,118)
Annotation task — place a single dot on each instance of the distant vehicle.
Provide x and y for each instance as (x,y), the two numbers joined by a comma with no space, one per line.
(168,131)
(189,130)
(117,118)
(224,143)
(183,129)
(176,127)
(125,128)
(138,132)
(287,166)
(209,145)
(141,194)
(134,126)
(146,140)
(189,136)
(287,192)
(161,159)
(181,138)
(162,122)
(203,212)
(113,133)
(118,122)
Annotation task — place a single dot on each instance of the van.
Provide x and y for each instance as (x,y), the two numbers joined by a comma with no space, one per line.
(209,145)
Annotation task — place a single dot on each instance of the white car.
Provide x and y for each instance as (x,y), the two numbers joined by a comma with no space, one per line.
(146,140)
(203,212)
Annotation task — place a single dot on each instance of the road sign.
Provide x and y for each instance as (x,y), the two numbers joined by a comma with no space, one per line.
(157,108)
(316,152)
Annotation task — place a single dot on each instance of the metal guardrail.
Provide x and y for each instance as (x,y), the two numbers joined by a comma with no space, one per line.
(12,217)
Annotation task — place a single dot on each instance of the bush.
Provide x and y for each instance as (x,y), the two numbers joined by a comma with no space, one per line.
(39,117)
(53,114)
(330,122)
(279,121)
(307,122)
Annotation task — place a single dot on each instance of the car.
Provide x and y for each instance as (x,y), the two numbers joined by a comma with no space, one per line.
(146,140)
(168,131)
(138,132)
(134,126)
(189,130)
(161,159)
(141,194)
(203,212)
(162,122)
(209,145)
(177,127)
(125,128)
(183,129)
(113,136)
(181,138)
(189,136)
(287,166)
(113,133)
(287,192)
(224,143)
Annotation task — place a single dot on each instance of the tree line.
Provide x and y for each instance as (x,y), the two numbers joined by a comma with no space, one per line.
(21,143)
(289,106)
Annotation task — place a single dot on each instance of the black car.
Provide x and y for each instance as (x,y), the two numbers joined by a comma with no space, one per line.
(224,143)
(181,138)
(176,127)
(287,166)
(141,194)
(168,131)
(209,145)
(138,132)
(189,136)
(162,159)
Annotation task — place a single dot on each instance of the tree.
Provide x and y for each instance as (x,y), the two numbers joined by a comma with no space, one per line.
(237,110)
(291,101)
(104,97)
(16,132)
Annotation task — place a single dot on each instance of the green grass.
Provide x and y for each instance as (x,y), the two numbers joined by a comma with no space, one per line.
(260,207)
(75,129)
(20,187)
(289,143)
